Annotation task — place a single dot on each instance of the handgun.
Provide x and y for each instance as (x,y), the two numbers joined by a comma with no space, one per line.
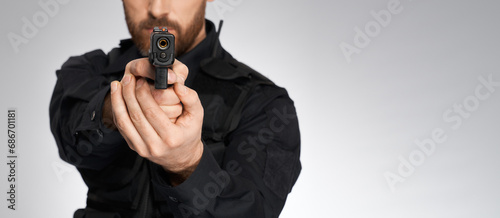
(161,55)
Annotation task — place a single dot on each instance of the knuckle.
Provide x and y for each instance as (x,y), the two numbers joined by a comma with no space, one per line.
(143,153)
(171,142)
(157,95)
(120,123)
(155,152)
(195,94)
(141,93)
(135,116)
(151,113)
(137,68)
(141,68)
(130,66)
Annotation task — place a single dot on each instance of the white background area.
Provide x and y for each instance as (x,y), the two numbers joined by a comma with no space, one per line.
(359,120)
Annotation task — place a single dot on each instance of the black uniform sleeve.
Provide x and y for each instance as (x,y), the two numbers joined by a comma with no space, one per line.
(260,166)
(76,109)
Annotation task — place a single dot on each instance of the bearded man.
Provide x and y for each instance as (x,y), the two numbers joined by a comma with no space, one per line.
(221,141)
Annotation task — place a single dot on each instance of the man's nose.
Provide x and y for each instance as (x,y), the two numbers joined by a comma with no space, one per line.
(160,8)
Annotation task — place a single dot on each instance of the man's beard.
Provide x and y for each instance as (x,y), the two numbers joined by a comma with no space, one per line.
(183,40)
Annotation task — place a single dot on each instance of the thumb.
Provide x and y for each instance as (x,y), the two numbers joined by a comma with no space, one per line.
(192,104)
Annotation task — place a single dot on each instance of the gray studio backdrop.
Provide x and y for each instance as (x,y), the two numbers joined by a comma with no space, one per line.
(398,101)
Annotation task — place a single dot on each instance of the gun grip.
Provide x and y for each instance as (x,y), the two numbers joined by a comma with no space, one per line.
(161,77)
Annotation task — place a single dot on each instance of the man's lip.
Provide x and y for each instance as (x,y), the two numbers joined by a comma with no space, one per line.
(150,30)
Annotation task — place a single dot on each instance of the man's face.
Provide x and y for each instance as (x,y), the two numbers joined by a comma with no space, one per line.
(183,18)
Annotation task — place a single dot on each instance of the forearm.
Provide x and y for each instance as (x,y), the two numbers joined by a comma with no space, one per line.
(81,139)
(75,114)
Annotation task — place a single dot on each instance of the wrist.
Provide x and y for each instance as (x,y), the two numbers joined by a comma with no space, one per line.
(180,172)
